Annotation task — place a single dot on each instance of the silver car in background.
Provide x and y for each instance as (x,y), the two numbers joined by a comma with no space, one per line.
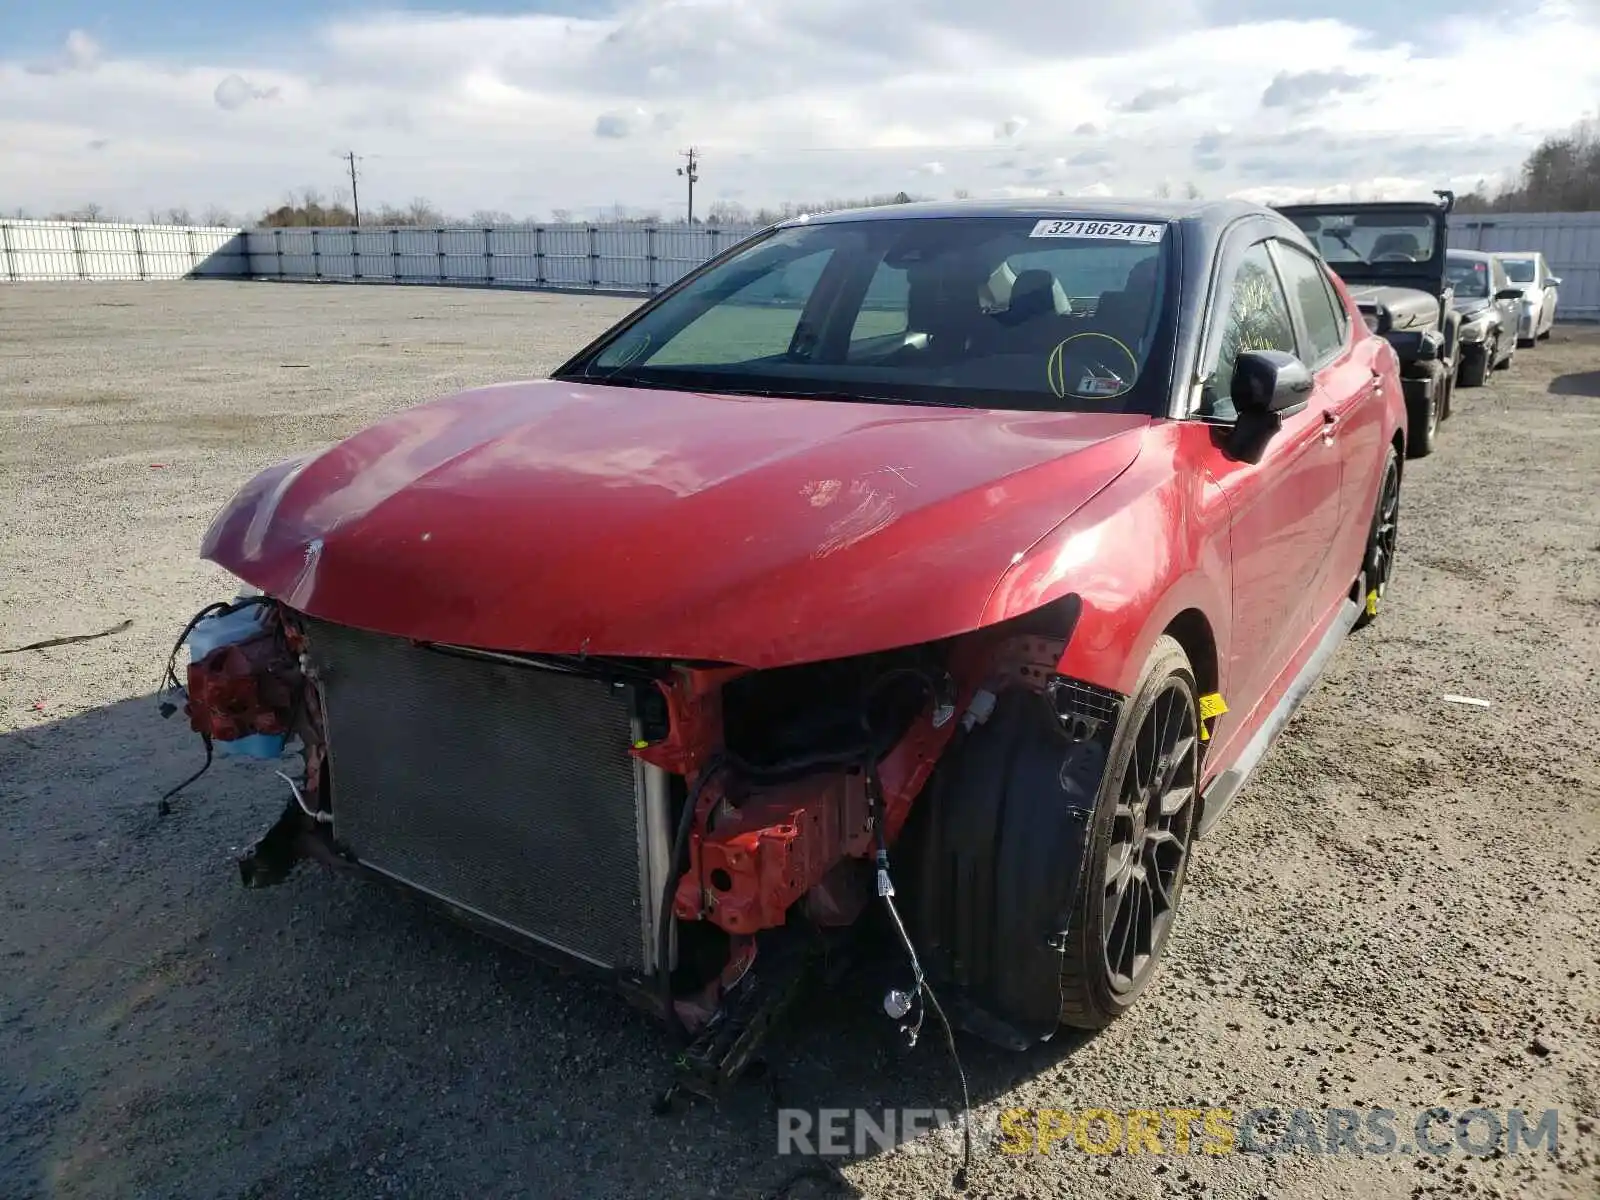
(1528,270)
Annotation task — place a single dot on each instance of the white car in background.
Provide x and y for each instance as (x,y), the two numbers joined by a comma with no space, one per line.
(1528,270)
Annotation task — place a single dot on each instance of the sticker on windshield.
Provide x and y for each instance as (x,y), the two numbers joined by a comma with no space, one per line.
(1113,231)
(1091,366)
(1100,385)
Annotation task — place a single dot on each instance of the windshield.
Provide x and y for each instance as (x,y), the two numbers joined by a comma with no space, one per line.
(1519,270)
(994,312)
(1367,237)
(1470,278)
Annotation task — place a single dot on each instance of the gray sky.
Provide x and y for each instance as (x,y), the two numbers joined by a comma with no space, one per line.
(577,103)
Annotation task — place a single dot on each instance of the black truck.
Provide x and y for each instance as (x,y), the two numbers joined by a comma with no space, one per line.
(1391,255)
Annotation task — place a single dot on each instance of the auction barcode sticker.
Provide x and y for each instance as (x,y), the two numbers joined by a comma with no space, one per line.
(1116,231)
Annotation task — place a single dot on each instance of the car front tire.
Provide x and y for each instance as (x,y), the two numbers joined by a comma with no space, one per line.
(1039,890)
(1139,846)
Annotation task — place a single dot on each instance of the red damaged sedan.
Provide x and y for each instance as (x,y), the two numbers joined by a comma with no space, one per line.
(941,567)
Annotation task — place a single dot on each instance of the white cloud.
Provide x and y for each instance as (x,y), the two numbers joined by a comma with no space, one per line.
(235,91)
(80,52)
(786,101)
(621,122)
(1304,90)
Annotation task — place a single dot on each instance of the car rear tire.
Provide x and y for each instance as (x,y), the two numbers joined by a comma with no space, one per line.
(1377,564)
(1008,854)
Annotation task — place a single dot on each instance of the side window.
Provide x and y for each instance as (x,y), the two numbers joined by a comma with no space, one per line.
(884,308)
(1258,319)
(758,321)
(1341,315)
(1303,275)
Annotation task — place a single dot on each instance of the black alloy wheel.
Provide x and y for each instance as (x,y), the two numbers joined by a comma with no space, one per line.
(1148,852)
(1382,541)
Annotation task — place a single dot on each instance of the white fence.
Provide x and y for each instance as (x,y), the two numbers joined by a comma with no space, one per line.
(623,258)
(44,250)
(638,259)
(1570,243)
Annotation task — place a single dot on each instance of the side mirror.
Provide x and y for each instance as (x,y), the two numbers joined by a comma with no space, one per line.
(1508,294)
(1269,382)
(1554,281)
(1268,385)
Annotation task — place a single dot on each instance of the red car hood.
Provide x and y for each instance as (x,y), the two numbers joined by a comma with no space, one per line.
(605,520)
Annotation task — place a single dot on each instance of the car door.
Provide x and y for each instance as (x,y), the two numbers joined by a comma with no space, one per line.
(1547,296)
(1283,509)
(1348,385)
(1510,310)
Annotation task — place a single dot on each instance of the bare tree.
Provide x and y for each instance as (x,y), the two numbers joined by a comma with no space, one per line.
(1561,175)
(422,212)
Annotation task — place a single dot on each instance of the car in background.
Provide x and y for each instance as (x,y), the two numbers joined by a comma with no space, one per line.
(1391,254)
(1490,307)
(1529,272)
(1001,539)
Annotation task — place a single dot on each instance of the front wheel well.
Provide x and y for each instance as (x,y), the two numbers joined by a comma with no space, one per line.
(1192,631)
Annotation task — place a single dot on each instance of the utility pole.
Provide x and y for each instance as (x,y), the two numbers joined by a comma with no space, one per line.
(355,199)
(691,172)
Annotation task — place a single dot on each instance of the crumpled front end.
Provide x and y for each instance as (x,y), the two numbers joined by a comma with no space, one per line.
(659,820)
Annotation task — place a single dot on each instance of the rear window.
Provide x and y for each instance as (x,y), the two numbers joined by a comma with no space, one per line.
(987,311)
(1469,277)
(1520,270)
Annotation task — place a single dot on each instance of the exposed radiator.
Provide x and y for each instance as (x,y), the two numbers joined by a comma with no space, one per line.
(506,790)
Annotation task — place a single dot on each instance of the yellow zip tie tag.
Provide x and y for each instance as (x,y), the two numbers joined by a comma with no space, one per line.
(1372,603)
(1212,705)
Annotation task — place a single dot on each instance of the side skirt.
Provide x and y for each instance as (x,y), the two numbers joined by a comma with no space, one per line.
(1226,786)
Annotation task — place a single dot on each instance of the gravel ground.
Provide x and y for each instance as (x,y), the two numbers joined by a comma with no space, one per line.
(1398,913)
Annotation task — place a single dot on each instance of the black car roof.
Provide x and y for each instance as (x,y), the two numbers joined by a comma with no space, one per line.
(1323,206)
(1212,216)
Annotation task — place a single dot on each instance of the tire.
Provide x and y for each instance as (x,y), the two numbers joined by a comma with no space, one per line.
(1505,363)
(1377,563)
(1423,416)
(1009,850)
(1093,994)
(1474,367)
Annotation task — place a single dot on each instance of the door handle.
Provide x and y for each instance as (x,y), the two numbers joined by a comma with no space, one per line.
(1330,425)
